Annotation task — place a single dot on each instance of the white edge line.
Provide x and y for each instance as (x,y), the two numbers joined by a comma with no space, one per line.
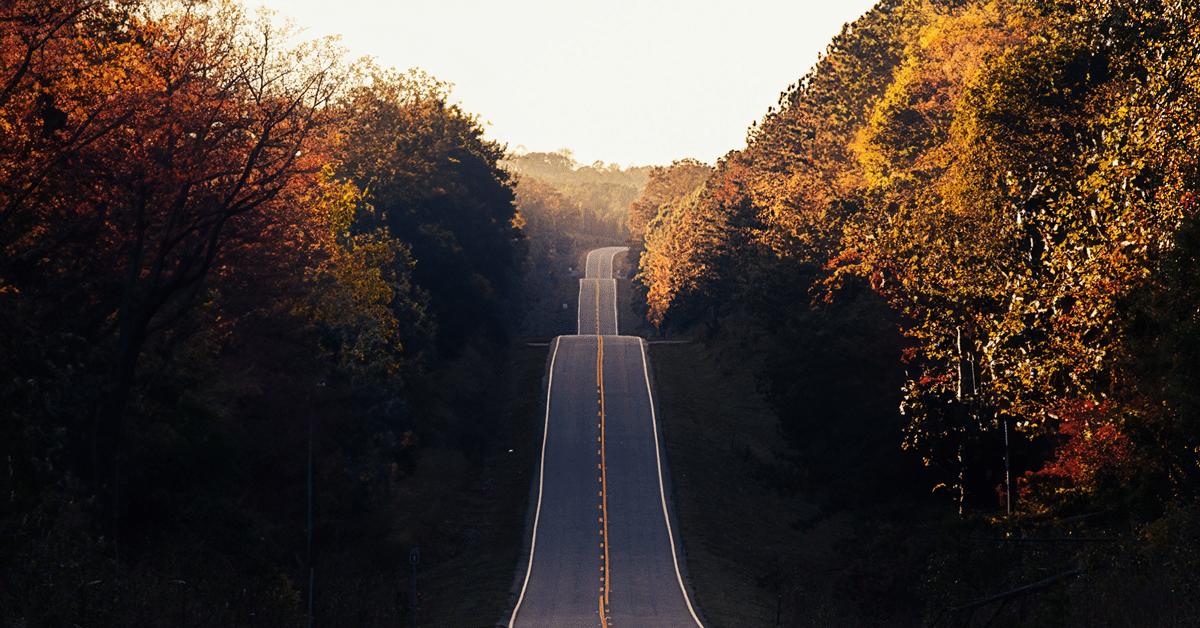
(594,254)
(616,320)
(579,310)
(600,273)
(541,478)
(662,491)
(616,326)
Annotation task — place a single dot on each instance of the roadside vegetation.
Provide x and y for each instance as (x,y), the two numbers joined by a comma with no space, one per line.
(567,209)
(215,234)
(727,459)
(960,258)
(941,312)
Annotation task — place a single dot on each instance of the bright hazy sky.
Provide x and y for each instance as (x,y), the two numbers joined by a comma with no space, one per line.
(640,82)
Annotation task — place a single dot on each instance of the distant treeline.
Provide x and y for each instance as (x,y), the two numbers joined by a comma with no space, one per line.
(567,209)
(967,245)
(592,200)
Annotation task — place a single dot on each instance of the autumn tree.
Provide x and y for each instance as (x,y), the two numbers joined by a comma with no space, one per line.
(186,252)
(967,232)
(1049,220)
(666,184)
(599,194)
(360,294)
(166,138)
(435,183)
(542,208)
(992,171)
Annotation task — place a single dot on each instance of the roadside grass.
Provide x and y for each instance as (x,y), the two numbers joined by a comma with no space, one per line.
(629,320)
(626,321)
(471,589)
(734,491)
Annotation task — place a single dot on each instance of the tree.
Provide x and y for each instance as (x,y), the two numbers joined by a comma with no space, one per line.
(666,184)
(600,194)
(436,184)
(171,135)
(989,169)
(360,294)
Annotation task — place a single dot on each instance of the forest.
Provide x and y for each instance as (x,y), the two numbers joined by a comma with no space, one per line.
(567,209)
(267,308)
(224,247)
(961,254)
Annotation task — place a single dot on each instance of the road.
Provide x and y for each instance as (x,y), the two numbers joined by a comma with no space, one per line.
(598,294)
(603,550)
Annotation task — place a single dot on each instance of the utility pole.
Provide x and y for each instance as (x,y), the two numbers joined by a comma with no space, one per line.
(414,557)
(310,502)
(1007,473)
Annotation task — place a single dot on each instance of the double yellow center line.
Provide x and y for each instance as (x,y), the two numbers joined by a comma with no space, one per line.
(597,307)
(603,476)
(603,465)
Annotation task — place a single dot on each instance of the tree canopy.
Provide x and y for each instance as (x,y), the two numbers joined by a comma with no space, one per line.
(969,232)
(1009,177)
(211,230)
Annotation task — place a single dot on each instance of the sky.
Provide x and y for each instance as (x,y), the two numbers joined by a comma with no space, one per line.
(641,82)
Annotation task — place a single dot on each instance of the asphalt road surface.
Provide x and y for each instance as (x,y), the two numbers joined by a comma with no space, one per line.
(603,552)
(598,294)
(597,307)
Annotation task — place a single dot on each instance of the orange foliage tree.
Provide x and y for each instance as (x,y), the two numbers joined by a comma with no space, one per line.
(152,142)
(1012,177)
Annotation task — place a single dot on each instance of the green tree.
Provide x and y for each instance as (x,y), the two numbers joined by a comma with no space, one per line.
(436,184)
(361,296)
